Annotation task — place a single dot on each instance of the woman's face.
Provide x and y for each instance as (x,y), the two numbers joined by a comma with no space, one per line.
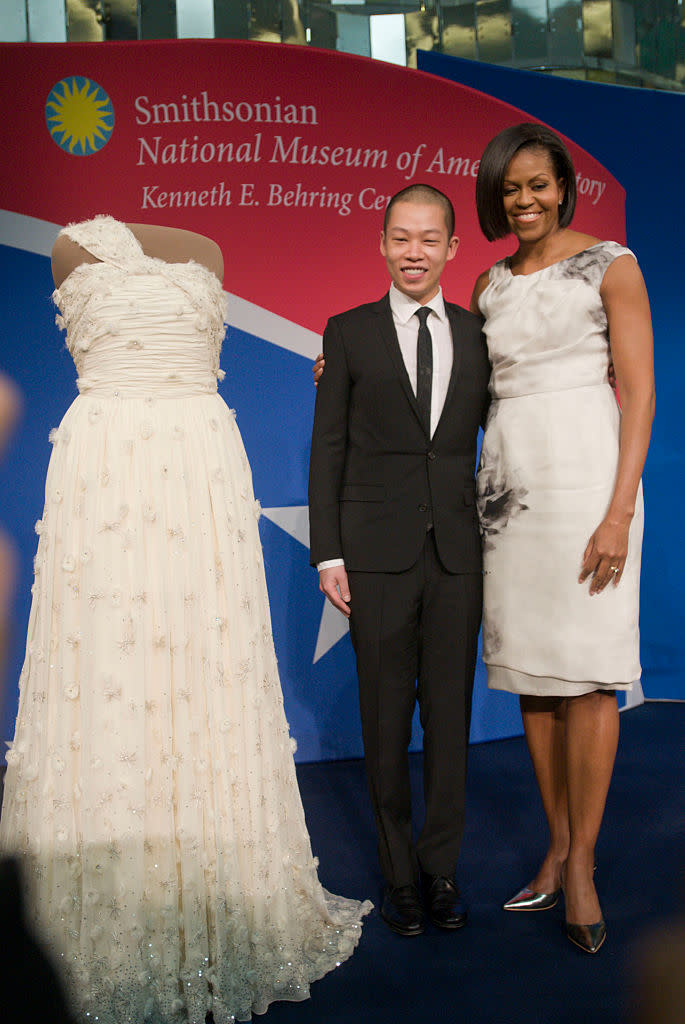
(532,194)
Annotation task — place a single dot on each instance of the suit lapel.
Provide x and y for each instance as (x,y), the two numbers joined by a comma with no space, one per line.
(386,329)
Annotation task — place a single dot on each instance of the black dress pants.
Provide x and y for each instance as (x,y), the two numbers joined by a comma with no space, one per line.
(415,636)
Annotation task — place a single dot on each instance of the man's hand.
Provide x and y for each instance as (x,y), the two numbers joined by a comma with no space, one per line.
(612,373)
(317,368)
(333,583)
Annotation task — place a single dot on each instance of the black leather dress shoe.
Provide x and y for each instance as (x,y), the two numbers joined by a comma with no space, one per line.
(402,910)
(445,906)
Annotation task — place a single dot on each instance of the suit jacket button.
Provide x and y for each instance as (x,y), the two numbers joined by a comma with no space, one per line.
(431,455)
(423,508)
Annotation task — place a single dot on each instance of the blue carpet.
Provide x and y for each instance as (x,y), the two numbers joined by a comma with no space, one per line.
(505,968)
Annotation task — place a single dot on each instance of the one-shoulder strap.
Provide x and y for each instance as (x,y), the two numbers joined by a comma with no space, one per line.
(592,264)
(107,239)
(613,250)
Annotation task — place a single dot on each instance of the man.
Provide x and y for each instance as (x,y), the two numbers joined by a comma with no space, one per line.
(394,534)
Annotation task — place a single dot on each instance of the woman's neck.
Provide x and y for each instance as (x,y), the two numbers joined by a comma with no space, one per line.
(542,251)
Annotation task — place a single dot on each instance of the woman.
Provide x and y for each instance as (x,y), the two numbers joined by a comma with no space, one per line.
(560,497)
(151,785)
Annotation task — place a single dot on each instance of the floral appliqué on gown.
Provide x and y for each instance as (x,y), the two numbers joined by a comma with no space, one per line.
(151,787)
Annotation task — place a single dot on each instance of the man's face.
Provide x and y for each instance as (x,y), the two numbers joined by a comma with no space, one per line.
(416,247)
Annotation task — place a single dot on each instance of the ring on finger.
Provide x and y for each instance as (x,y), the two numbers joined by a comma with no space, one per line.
(614,569)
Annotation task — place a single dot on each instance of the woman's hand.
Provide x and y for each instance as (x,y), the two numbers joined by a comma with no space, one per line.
(317,368)
(605,555)
(612,376)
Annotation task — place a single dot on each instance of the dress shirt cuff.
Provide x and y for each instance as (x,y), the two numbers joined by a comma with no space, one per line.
(330,563)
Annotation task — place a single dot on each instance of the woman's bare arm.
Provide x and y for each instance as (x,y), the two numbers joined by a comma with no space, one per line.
(625,300)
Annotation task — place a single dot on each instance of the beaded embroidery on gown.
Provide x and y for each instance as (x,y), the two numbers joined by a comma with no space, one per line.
(547,472)
(150,785)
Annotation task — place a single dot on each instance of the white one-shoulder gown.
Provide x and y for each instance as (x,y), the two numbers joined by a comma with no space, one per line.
(150,784)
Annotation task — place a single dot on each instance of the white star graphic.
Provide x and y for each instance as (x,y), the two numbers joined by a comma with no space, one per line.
(294,520)
(271,327)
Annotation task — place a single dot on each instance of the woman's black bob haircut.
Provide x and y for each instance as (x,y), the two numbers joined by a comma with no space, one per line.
(493,168)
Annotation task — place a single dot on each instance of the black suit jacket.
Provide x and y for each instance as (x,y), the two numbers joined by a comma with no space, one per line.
(376,479)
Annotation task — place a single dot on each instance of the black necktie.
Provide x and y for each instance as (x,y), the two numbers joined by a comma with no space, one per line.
(424,368)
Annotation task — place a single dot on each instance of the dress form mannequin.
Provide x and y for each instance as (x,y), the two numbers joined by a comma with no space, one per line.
(173,245)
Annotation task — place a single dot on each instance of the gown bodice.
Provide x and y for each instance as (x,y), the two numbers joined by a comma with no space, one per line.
(547,331)
(137,325)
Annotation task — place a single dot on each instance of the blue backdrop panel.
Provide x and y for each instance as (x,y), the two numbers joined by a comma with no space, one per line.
(638,135)
(271,390)
(33,354)
(635,134)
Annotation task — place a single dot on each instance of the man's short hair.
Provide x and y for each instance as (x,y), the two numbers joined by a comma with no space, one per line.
(420,193)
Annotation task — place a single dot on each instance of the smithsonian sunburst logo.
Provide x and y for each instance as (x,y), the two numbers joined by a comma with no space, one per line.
(79,116)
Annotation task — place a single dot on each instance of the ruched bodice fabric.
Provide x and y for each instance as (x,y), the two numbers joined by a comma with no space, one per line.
(547,331)
(136,325)
(151,785)
(547,473)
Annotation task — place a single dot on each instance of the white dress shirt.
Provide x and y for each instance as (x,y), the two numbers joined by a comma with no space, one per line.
(407,327)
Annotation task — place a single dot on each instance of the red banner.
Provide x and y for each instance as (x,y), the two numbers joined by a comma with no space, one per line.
(285,155)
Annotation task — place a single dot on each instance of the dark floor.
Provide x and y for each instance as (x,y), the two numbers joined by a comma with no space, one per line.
(506,968)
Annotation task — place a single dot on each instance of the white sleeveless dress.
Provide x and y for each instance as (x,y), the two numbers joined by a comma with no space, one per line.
(547,473)
(151,784)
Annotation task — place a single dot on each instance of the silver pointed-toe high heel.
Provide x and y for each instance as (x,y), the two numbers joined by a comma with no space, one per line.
(588,937)
(528,899)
